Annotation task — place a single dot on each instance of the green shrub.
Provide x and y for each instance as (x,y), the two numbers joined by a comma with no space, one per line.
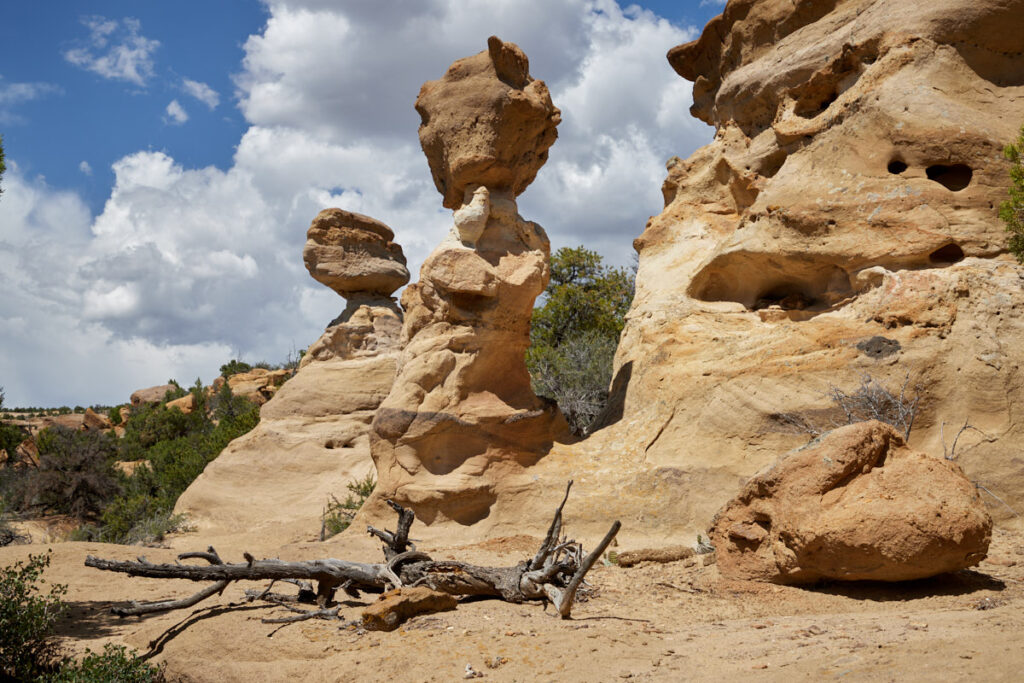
(234,367)
(114,665)
(75,474)
(337,516)
(574,334)
(27,616)
(1012,210)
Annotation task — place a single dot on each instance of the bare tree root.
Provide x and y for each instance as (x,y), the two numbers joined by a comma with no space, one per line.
(554,574)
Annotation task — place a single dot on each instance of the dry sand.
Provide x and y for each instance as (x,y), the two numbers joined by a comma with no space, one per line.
(677,621)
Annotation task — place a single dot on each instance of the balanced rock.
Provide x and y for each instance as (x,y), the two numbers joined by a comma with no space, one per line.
(856,504)
(843,221)
(312,439)
(352,253)
(461,417)
(486,122)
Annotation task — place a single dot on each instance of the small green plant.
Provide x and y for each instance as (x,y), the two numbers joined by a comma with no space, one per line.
(1012,210)
(27,617)
(116,664)
(337,516)
(234,367)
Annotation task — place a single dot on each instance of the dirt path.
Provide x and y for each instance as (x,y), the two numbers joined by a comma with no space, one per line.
(652,622)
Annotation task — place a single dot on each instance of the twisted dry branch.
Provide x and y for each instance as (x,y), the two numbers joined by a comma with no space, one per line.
(554,574)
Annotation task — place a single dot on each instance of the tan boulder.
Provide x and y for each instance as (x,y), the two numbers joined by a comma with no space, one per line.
(257,385)
(856,504)
(151,394)
(395,607)
(185,404)
(353,253)
(486,122)
(91,421)
(461,417)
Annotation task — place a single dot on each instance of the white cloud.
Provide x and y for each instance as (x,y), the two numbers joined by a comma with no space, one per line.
(84,167)
(186,267)
(175,114)
(116,50)
(202,92)
(13,94)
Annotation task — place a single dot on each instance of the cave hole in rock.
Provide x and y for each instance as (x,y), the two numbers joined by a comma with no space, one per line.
(953,177)
(896,167)
(769,165)
(951,253)
(790,282)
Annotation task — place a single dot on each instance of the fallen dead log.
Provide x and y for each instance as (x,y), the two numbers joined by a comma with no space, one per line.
(554,574)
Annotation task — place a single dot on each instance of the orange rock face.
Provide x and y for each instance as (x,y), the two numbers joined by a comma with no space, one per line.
(856,505)
(504,142)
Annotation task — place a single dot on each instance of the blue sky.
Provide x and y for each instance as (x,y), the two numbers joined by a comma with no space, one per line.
(165,159)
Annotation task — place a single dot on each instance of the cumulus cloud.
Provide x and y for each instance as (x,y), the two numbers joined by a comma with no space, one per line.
(202,92)
(84,167)
(115,50)
(14,94)
(175,114)
(207,261)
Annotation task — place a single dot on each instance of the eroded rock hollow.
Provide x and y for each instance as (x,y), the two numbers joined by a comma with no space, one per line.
(461,418)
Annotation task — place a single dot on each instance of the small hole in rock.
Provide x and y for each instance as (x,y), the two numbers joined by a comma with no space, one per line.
(896,167)
(951,253)
(953,177)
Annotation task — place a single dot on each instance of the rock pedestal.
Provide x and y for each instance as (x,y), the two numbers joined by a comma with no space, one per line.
(461,416)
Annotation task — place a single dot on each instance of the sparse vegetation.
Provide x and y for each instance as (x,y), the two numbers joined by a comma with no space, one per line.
(27,617)
(574,334)
(337,516)
(1012,210)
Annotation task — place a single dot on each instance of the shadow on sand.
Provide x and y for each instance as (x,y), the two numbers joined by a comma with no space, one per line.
(964,582)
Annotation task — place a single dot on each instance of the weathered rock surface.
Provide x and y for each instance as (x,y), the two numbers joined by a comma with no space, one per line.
(850,194)
(505,140)
(312,437)
(151,394)
(461,418)
(91,421)
(257,385)
(856,504)
(352,253)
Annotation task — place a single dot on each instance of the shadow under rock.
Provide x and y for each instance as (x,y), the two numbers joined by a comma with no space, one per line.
(963,582)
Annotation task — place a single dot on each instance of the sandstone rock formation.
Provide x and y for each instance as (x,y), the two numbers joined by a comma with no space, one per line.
(849,195)
(855,505)
(461,418)
(486,122)
(312,437)
(257,385)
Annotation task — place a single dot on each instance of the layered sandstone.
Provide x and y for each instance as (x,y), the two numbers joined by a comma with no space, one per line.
(461,420)
(312,437)
(854,505)
(843,221)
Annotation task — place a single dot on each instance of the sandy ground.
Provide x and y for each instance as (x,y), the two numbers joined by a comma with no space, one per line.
(677,621)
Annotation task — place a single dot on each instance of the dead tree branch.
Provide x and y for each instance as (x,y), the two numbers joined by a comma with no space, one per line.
(554,574)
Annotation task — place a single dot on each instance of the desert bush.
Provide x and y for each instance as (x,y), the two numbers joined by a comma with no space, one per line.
(338,515)
(574,333)
(116,664)
(27,617)
(871,400)
(1012,210)
(234,367)
(75,474)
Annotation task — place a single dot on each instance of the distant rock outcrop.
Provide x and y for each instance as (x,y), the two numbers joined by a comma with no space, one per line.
(855,505)
(151,395)
(312,437)
(461,417)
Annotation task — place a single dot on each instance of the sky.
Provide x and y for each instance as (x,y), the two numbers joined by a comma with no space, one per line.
(164,161)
